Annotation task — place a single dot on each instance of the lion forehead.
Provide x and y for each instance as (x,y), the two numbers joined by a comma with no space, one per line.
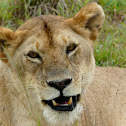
(48,28)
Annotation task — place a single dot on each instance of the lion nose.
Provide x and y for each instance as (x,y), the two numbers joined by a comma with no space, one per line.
(60,85)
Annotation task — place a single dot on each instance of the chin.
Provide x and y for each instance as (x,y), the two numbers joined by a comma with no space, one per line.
(62,118)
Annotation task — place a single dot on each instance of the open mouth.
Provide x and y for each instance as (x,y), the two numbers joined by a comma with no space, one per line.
(63,103)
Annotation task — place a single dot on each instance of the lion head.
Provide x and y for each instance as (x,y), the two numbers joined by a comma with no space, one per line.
(54,58)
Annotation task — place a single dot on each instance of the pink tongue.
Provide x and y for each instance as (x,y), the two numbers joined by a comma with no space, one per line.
(63,103)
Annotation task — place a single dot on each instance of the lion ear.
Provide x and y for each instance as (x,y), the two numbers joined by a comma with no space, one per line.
(90,17)
(9,40)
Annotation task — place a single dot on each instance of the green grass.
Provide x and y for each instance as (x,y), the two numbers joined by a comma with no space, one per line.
(110,48)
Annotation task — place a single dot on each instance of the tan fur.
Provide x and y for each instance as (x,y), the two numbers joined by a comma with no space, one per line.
(23,80)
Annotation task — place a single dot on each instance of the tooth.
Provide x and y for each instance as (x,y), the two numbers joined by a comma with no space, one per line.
(54,103)
(63,104)
(70,101)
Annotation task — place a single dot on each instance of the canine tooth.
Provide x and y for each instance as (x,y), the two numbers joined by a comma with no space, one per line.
(70,101)
(54,103)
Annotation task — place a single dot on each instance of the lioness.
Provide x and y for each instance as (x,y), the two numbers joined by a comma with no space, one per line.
(48,75)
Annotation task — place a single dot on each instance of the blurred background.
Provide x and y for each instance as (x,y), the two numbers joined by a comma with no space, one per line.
(110,47)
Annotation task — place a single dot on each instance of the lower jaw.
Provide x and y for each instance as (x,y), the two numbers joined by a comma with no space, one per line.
(63,118)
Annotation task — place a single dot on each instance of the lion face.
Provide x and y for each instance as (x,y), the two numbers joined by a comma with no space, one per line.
(55,59)
(58,63)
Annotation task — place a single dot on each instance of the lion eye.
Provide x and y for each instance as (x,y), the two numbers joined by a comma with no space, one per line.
(71,48)
(33,54)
